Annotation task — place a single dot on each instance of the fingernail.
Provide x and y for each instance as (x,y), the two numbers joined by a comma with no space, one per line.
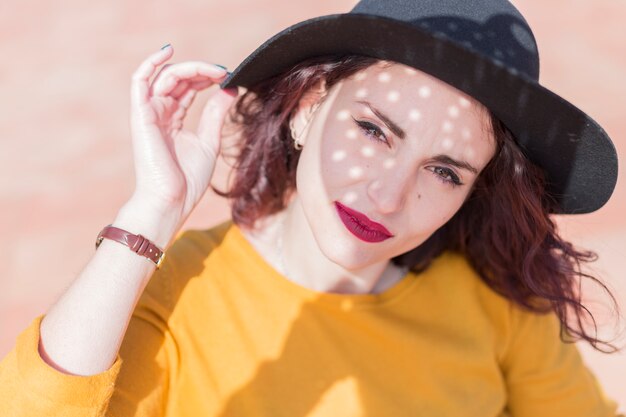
(165,46)
(232,91)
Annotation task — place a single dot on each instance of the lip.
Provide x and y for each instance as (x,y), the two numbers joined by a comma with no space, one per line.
(361,226)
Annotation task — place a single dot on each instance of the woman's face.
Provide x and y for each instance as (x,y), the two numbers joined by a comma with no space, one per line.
(395,145)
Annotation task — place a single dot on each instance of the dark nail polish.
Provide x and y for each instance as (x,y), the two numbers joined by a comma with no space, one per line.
(165,46)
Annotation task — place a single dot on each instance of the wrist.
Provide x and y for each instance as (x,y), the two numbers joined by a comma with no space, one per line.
(157,225)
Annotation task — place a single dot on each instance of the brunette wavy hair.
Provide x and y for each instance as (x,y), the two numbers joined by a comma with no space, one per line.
(516,250)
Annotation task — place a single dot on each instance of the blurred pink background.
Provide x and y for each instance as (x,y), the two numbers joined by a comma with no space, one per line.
(66,161)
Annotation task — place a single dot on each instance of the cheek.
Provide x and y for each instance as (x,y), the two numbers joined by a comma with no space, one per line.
(346,157)
(430,211)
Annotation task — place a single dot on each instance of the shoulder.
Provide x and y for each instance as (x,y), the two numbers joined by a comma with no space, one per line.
(460,295)
(516,326)
(453,273)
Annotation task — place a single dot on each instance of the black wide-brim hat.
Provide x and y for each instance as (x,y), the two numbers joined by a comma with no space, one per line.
(484,48)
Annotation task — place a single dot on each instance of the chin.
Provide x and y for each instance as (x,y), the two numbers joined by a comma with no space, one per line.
(350,255)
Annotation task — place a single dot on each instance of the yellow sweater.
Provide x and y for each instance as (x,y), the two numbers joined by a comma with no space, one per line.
(218,332)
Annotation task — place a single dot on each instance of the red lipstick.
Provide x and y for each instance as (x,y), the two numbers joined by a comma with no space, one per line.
(361,226)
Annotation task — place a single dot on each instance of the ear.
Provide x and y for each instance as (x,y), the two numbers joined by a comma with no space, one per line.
(307,107)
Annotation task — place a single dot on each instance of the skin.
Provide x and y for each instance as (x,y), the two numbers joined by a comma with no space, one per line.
(397,184)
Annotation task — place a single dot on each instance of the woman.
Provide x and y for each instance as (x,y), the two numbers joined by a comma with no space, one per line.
(391,250)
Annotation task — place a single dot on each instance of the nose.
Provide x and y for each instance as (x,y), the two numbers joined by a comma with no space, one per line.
(389,192)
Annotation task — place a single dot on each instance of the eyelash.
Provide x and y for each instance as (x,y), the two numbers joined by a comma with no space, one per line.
(448,176)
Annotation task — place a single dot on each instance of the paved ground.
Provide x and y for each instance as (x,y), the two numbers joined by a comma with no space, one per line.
(65,157)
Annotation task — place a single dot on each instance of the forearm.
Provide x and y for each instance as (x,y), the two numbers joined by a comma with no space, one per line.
(82,332)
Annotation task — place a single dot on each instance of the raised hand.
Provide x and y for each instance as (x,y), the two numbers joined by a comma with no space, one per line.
(174,166)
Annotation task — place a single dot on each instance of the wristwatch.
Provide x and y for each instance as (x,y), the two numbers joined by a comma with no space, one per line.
(137,243)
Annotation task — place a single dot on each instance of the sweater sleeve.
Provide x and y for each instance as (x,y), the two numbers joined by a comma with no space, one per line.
(546,376)
(135,385)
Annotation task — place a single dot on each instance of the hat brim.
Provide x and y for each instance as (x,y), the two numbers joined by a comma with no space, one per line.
(578,156)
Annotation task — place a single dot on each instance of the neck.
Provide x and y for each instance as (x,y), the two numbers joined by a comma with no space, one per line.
(286,241)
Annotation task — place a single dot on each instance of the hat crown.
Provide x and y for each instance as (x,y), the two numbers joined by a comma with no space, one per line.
(492,28)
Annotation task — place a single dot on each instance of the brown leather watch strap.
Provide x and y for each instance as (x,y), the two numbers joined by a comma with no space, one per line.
(137,243)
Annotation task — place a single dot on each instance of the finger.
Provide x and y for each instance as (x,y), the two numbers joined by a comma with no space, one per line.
(182,87)
(172,75)
(140,79)
(157,76)
(212,118)
(183,104)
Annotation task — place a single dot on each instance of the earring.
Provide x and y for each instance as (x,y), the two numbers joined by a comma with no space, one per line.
(295,136)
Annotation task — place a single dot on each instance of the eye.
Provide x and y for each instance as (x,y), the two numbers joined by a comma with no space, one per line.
(372,131)
(447,176)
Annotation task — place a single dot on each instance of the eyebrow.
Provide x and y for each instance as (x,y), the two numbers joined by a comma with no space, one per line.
(445,159)
(397,130)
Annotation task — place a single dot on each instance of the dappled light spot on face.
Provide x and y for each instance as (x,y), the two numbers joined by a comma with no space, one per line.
(447,144)
(469,153)
(415,115)
(425,92)
(367,151)
(376,185)
(339,155)
(447,126)
(384,77)
(355,172)
(360,76)
(361,93)
(343,115)
(466,134)
(410,71)
(453,111)
(465,103)
(389,163)
(393,96)
(369,112)
(349,197)
(352,133)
